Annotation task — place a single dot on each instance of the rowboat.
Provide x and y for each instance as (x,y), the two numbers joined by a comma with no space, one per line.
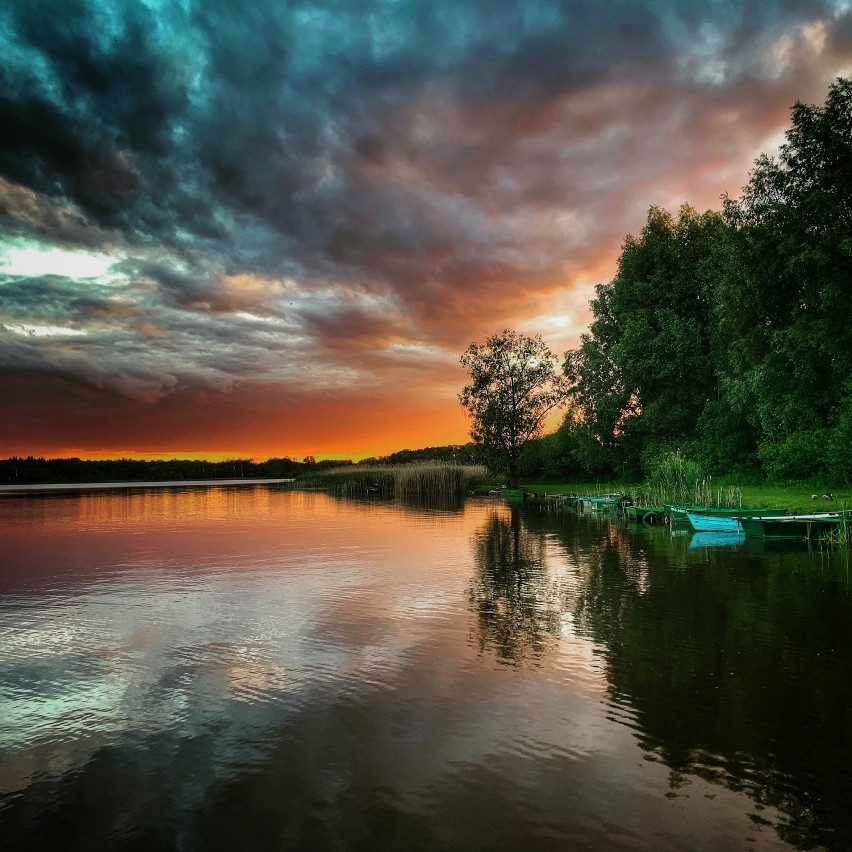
(713,523)
(599,503)
(794,526)
(725,520)
(639,512)
(677,511)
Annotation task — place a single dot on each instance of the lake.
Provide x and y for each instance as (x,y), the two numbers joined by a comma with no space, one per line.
(251,667)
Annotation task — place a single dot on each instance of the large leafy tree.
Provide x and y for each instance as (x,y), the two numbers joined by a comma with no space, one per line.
(783,304)
(514,385)
(645,371)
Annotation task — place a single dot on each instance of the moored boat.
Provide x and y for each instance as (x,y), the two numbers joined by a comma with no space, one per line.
(599,503)
(794,526)
(713,523)
(725,520)
(639,512)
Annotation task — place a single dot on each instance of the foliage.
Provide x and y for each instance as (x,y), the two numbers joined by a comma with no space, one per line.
(553,457)
(464,454)
(728,337)
(795,456)
(644,371)
(514,386)
(839,448)
(783,299)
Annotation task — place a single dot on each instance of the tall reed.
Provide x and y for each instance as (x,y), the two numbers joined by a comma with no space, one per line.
(405,480)
(675,479)
(841,535)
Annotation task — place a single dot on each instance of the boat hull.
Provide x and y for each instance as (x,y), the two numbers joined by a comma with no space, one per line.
(705,519)
(791,526)
(713,523)
(599,504)
(639,512)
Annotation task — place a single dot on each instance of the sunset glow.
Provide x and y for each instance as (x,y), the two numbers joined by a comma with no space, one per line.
(268,231)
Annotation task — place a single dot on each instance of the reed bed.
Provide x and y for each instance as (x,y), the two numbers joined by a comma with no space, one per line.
(679,480)
(841,536)
(420,479)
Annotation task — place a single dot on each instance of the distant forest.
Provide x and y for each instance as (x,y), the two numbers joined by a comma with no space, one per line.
(23,471)
(727,336)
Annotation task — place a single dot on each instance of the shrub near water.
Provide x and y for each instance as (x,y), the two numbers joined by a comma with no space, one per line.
(674,479)
(409,480)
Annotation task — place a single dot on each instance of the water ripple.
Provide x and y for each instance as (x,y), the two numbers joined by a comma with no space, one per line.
(215,663)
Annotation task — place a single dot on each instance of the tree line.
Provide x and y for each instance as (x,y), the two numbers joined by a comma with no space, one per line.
(30,470)
(727,335)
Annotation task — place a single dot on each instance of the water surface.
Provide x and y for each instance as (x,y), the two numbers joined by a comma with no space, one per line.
(252,667)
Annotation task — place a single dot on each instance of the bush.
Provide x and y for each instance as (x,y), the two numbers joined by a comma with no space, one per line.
(839,449)
(798,456)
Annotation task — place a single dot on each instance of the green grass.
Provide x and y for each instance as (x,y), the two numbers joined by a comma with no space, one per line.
(795,497)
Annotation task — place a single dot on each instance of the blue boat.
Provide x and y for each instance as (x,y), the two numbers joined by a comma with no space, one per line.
(713,523)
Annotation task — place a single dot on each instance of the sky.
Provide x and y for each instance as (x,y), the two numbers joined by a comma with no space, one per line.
(271,228)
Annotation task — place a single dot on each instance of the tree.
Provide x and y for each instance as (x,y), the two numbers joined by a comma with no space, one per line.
(645,371)
(783,300)
(514,386)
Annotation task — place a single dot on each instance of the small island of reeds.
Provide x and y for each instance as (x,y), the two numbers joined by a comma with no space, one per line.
(422,479)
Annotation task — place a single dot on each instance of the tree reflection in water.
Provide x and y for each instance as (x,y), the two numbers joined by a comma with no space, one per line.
(517,605)
(734,662)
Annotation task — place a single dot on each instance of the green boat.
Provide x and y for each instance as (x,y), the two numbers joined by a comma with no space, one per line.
(794,526)
(677,512)
(599,503)
(639,512)
(513,495)
(741,513)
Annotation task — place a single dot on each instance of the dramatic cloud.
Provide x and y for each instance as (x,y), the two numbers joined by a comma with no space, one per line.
(288,201)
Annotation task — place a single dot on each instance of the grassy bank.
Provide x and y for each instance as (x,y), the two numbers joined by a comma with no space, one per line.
(795,497)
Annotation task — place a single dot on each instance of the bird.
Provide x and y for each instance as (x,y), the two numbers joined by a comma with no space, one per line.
(813,496)
(828,496)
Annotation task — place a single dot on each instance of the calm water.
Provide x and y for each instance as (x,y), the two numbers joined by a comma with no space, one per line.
(255,668)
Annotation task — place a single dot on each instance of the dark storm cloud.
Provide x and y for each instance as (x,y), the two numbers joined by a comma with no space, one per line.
(281,184)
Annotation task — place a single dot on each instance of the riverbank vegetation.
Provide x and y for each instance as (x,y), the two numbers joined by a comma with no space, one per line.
(419,479)
(727,336)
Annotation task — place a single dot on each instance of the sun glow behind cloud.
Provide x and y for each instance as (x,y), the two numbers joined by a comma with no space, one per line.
(46,330)
(30,261)
(276,232)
